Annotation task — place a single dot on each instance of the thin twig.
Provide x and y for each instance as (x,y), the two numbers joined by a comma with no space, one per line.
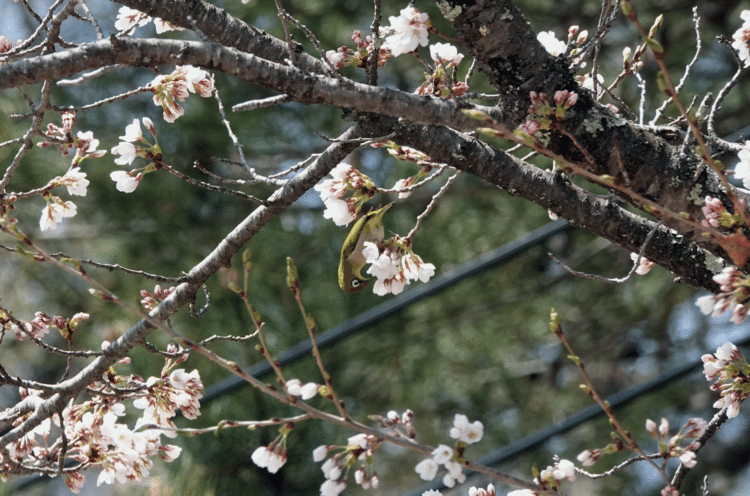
(711,121)
(296,291)
(606,279)
(591,391)
(199,313)
(618,467)
(440,169)
(696,21)
(225,424)
(117,267)
(212,187)
(358,141)
(433,203)
(91,19)
(372,70)
(261,103)
(718,419)
(88,76)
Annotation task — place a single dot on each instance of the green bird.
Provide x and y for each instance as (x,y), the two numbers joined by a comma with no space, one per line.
(370,228)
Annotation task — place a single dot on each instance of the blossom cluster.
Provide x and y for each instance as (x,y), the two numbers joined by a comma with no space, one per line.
(360,449)
(557,47)
(405,34)
(332,191)
(405,421)
(129,19)
(669,447)
(553,475)
(716,215)
(409,30)
(39,326)
(344,56)
(76,183)
(741,38)
(439,83)
(732,374)
(304,391)
(395,265)
(490,491)
(128,181)
(175,87)
(74,180)
(442,455)
(273,456)
(149,301)
(542,113)
(97,439)
(735,287)
(5,44)
(60,135)
(465,433)
(589,457)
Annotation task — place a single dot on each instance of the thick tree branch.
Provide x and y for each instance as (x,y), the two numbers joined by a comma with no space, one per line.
(226,30)
(576,207)
(506,48)
(300,86)
(552,191)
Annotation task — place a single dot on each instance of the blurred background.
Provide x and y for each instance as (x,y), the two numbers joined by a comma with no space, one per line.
(481,348)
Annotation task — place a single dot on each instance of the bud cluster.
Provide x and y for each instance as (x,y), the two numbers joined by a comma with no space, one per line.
(732,374)
(735,287)
(332,191)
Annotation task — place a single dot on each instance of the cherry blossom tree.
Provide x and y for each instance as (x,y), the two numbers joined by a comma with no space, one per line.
(545,119)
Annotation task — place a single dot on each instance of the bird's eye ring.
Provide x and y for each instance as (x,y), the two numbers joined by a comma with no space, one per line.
(355,283)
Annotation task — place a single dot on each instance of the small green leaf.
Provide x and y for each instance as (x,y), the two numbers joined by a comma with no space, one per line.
(26,253)
(656,25)
(488,131)
(626,7)
(607,179)
(246,259)
(476,114)
(75,263)
(310,322)
(661,82)
(255,314)
(554,321)
(100,294)
(292,279)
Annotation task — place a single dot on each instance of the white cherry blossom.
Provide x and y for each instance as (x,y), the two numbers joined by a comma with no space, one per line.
(409,31)
(554,46)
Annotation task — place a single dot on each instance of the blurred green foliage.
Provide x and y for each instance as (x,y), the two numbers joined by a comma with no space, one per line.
(481,348)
